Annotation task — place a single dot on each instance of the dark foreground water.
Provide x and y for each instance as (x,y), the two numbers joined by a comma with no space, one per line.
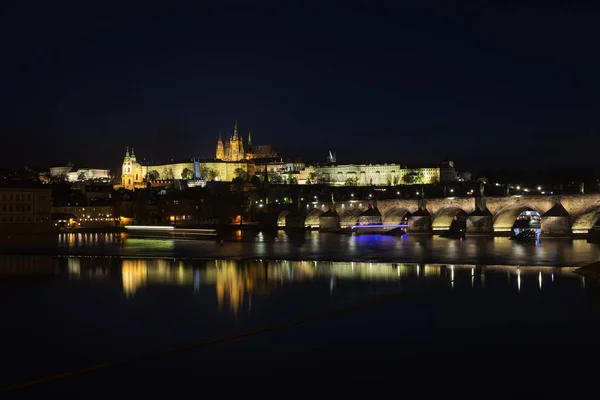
(420,329)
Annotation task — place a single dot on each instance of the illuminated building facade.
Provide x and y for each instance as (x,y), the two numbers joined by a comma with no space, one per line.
(68,173)
(134,174)
(375,174)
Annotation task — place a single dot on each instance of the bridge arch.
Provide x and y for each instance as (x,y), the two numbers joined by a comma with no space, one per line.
(505,219)
(586,221)
(312,219)
(443,218)
(350,217)
(394,216)
(281,218)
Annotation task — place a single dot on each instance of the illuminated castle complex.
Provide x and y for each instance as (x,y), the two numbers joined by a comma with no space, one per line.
(233,149)
(234,157)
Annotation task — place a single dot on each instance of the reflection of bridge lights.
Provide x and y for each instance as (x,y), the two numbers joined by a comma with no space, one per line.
(540,279)
(518,280)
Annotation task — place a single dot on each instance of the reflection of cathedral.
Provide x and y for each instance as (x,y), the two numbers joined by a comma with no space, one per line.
(233,149)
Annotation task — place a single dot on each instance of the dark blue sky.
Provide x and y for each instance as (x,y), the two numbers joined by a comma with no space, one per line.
(488,86)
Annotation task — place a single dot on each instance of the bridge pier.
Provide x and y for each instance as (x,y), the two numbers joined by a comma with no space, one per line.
(556,227)
(556,222)
(480,223)
(295,221)
(420,222)
(329,220)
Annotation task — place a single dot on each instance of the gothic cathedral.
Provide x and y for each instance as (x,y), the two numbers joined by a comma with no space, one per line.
(233,149)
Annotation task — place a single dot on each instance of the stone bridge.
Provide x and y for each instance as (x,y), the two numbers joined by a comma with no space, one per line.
(561,215)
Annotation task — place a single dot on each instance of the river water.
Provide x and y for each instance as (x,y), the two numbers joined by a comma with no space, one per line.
(318,246)
(316,314)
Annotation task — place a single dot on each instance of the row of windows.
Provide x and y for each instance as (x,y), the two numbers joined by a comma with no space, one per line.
(15,208)
(15,197)
(19,219)
(106,209)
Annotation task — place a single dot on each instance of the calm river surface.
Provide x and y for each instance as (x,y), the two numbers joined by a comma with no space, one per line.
(486,318)
(316,246)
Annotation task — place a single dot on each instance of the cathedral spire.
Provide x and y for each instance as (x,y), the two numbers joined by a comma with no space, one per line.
(127,152)
(249,138)
(235,131)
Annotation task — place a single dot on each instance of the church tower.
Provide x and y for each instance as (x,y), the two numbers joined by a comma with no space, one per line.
(220,149)
(126,170)
(236,146)
(131,173)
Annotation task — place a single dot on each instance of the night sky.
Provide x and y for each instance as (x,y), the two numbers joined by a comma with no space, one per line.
(492,85)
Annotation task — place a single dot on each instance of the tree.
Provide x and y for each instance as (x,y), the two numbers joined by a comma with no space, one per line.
(81,176)
(312,177)
(413,178)
(275,178)
(153,175)
(353,181)
(291,179)
(187,174)
(241,173)
(168,173)
(208,173)
(256,182)
(238,183)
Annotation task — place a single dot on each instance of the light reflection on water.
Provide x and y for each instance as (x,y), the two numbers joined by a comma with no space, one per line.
(95,309)
(235,282)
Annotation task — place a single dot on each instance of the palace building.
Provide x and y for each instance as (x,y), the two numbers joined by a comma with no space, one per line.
(135,175)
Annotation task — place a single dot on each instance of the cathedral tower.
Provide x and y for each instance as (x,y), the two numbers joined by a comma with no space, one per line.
(220,149)
(236,146)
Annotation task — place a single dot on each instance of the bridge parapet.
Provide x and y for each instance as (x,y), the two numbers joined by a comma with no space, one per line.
(583,211)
